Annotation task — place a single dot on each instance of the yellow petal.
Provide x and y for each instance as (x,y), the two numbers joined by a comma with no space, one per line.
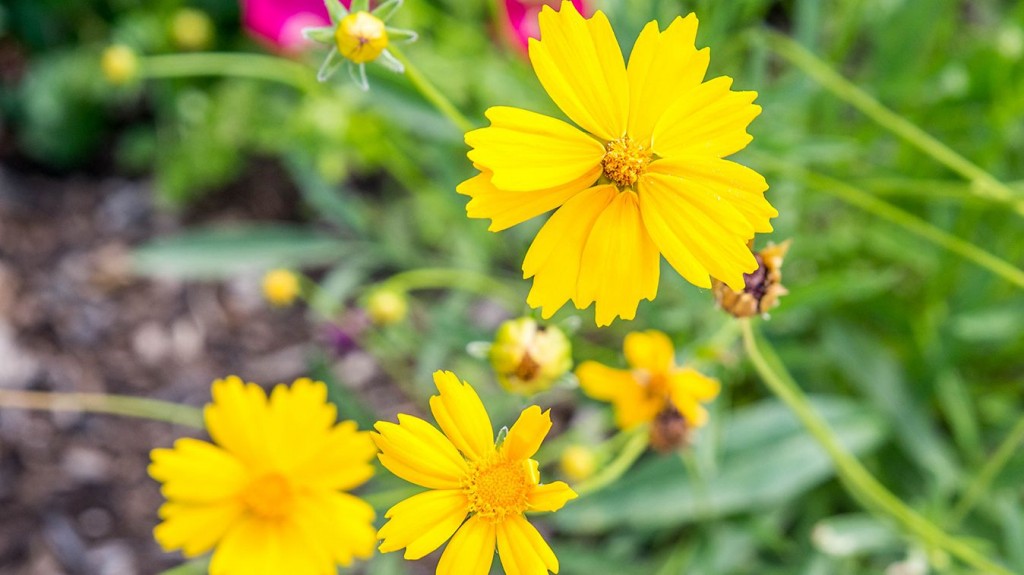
(710,120)
(423,522)
(603,382)
(651,350)
(697,233)
(528,151)
(692,383)
(522,549)
(620,263)
(236,419)
(471,550)
(553,259)
(342,461)
(580,65)
(693,412)
(663,67)
(197,472)
(738,185)
(300,417)
(195,529)
(506,209)
(550,496)
(461,415)
(339,526)
(527,433)
(248,547)
(417,452)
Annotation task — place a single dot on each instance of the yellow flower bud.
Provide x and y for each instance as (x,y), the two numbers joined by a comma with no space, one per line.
(120,64)
(528,358)
(281,287)
(191,29)
(578,462)
(387,306)
(361,37)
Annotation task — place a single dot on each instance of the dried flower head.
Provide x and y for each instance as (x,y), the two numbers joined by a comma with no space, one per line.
(762,287)
(528,358)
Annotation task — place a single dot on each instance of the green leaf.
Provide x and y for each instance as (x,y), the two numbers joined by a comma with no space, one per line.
(767,459)
(226,251)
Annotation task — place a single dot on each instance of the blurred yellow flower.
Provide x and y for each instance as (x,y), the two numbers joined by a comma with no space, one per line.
(467,474)
(120,64)
(281,287)
(643,175)
(578,462)
(192,29)
(528,358)
(268,494)
(653,388)
(387,306)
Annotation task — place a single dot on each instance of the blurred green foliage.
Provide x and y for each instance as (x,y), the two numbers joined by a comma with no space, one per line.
(914,354)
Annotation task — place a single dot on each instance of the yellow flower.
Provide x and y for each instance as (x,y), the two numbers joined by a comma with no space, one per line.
(120,64)
(654,386)
(529,358)
(268,494)
(281,287)
(387,306)
(361,37)
(643,174)
(468,475)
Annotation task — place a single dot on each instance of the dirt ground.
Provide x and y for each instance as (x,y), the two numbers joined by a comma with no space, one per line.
(74,494)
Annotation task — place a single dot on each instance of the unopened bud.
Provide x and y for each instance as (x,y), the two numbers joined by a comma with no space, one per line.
(387,306)
(120,64)
(191,29)
(578,462)
(281,287)
(361,37)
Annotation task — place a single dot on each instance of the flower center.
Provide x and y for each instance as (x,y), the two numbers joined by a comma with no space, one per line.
(361,37)
(625,161)
(269,496)
(497,488)
(655,384)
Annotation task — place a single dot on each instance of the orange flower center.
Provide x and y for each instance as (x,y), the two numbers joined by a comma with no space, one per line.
(270,496)
(625,161)
(498,488)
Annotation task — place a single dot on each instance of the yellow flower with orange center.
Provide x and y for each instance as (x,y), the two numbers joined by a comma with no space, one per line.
(652,387)
(478,490)
(642,176)
(269,494)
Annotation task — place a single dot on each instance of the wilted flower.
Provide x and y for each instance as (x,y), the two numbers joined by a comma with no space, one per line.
(191,29)
(468,474)
(520,19)
(762,288)
(528,357)
(280,22)
(387,306)
(120,64)
(281,287)
(268,495)
(654,390)
(643,175)
(359,36)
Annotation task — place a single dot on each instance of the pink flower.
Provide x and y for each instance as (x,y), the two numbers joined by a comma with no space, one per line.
(520,18)
(280,22)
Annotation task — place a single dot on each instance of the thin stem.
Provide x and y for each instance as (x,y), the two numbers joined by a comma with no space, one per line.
(858,481)
(255,66)
(983,480)
(985,185)
(431,93)
(911,223)
(631,451)
(103,403)
(451,278)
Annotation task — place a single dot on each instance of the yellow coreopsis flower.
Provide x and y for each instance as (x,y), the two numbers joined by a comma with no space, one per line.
(478,491)
(268,494)
(643,174)
(653,388)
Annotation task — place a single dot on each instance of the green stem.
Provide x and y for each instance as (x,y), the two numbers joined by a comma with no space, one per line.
(911,223)
(241,65)
(451,278)
(983,480)
(858,481)
(103,403)
(631,451)
(985,185)
(431,93)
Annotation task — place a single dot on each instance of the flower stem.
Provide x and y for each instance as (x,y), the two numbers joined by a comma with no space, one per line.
(858,481)
(984,184)
(881,208)
(103,403)
(630,452)
(255,66)
(983,480)
(451,278)
(431,93)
